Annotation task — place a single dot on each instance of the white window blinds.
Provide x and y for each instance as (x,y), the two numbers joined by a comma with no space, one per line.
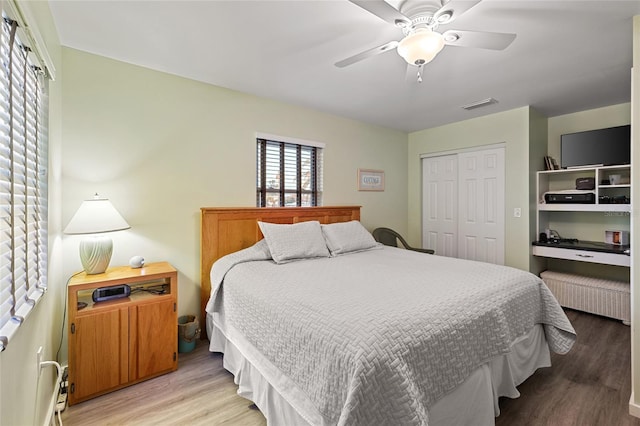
(23,180)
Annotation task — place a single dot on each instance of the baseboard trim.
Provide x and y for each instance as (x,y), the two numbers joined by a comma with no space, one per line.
(634,409)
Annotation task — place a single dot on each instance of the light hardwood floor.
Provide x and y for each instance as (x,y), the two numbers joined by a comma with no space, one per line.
(590,386)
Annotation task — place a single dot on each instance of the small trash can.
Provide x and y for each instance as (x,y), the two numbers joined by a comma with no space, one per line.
(188,333)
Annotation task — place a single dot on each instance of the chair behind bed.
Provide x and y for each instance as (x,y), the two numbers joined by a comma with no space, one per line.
(389,237)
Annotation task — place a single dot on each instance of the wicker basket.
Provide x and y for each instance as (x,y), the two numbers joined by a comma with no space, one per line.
(597,296)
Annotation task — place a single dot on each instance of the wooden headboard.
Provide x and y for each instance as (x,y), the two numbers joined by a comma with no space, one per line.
(225,230)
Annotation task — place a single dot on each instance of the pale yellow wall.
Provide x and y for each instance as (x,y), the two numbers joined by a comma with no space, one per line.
(538,127)
(160,147)
(599,118)
(634,402)
(511,128)
(20,381)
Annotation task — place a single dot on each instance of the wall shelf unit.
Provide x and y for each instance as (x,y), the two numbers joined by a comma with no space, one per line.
(582,228)
(625,208)
(611,209)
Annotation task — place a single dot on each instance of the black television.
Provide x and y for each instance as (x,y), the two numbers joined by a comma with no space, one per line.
(607,147)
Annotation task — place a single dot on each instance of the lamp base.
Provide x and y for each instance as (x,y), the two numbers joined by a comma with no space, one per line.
(95,254)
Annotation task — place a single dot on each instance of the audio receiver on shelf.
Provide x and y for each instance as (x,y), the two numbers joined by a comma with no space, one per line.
(570,197)
(109,293)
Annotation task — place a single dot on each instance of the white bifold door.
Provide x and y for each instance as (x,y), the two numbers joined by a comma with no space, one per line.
(463,205)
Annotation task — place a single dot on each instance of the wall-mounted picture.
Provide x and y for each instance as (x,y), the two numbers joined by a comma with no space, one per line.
(370,180)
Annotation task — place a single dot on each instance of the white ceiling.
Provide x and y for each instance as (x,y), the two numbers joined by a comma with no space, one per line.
(568,55)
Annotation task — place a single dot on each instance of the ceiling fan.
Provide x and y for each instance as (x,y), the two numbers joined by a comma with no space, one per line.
(419,20)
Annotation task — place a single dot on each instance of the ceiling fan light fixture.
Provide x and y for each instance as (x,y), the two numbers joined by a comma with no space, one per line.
(421,46)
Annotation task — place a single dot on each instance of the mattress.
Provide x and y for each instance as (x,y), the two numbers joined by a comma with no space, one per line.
(378,337)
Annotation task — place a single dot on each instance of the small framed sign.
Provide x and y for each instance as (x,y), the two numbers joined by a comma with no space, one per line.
(370,180)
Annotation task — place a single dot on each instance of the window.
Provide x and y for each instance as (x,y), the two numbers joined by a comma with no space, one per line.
(288,174)
(23,179)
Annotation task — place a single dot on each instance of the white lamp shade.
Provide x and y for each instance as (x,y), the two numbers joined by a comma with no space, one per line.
(421,46)
(96,216)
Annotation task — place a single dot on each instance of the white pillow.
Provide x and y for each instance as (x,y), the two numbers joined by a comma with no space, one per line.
(347,237)
(302,240)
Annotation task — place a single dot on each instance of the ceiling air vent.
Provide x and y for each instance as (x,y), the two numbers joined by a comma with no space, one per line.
(479,104)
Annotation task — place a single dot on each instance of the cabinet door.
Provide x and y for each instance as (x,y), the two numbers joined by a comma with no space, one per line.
(98,360)
(153,339)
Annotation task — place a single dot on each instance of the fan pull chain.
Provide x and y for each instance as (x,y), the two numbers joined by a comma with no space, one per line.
(420,73)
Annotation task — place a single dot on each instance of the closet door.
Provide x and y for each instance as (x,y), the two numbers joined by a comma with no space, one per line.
(440,204)
(481,205)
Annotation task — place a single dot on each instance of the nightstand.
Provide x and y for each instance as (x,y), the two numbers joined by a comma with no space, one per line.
(119,342)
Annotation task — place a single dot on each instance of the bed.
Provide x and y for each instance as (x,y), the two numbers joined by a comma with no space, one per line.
(345,331)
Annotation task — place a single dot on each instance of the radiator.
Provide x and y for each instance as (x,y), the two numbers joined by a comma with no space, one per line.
(608,298)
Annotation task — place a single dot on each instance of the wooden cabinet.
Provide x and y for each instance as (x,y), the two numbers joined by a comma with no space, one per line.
(119,342)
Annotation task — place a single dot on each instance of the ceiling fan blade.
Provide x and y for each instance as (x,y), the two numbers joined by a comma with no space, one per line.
(367,54)
(454,8)
(384,11)
(480,39)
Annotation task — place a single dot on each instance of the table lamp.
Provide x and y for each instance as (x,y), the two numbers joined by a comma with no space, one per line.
(96,216)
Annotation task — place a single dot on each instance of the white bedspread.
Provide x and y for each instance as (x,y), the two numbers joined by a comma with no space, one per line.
(377,337)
